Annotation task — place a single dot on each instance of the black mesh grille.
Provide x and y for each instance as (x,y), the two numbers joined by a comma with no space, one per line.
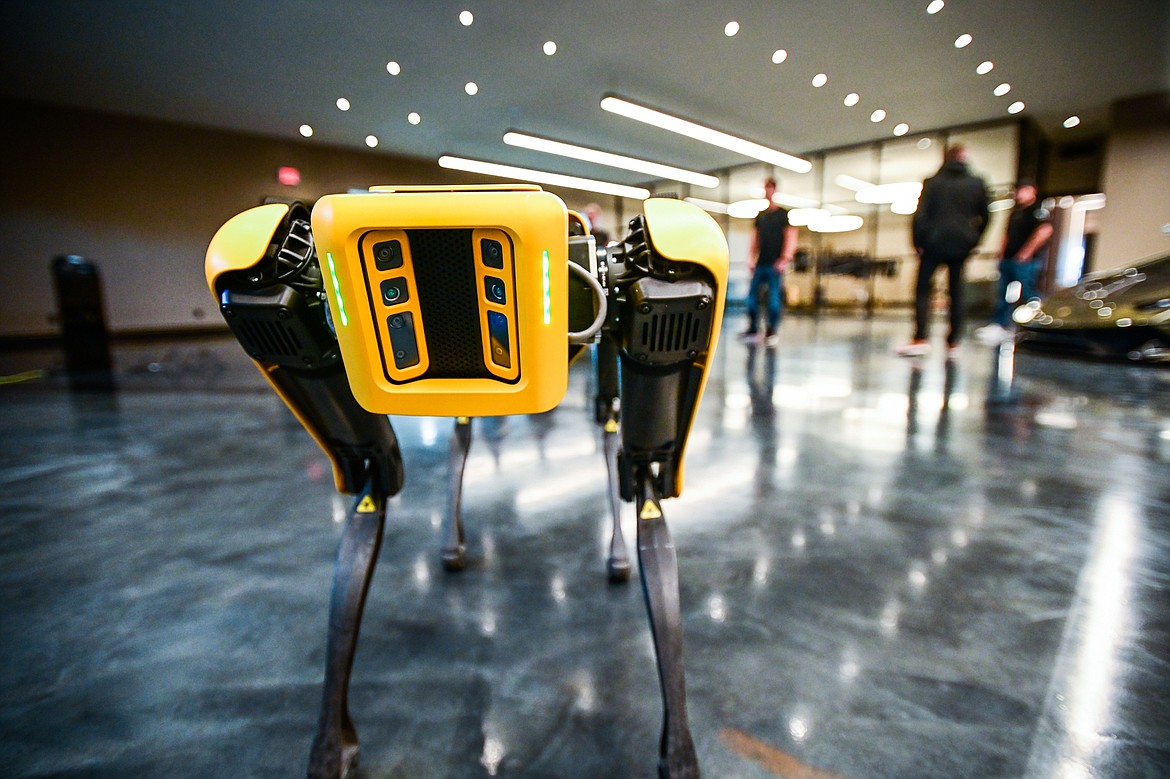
(444,270)
(673,332)
(271,338)
(667,322)
(279,325)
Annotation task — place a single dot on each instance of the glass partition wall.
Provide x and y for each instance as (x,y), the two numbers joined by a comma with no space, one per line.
(871,264)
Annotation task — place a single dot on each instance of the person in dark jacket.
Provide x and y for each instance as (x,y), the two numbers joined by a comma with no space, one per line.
(951,217)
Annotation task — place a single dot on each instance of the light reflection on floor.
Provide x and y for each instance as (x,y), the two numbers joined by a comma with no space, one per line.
(889,568)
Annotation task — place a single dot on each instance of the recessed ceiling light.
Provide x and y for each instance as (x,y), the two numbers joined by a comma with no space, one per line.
(877,115)
(542,177)
(963,40)
(819,80)
(306,130)
(1072,122)
(924,143)
(1002,89)
(471,88)
(413,117)
(700,132)
(779,56)
(1016,107)
(852,99)
(550,48)
(730,29)
(466,18)
(342,104)
(985,67)
(393,68)
(935,6)
(371,141)
(612,160)
(901,128)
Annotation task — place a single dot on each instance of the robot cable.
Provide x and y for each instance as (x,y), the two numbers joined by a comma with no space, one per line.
(586,336)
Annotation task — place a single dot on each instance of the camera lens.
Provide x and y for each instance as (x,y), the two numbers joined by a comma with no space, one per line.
(388,255)
(394,291)
(496,292)
(395,321)
(493,253)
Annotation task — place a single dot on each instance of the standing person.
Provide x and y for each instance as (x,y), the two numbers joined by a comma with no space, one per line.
(951,217)
(593,214)
(1025,247)
(773,246)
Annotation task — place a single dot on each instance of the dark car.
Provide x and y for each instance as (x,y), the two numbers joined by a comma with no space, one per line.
(1119,313)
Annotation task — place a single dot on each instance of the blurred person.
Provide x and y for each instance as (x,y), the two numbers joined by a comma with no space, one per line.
(951,217)
(593,214)
(773,247)
(1025,248)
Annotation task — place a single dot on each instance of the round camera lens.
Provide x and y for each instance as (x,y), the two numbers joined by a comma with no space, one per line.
(391,294)
(396,322)
(498,293)
(384,253)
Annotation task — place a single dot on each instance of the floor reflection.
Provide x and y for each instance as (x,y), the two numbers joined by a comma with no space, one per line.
(889,568)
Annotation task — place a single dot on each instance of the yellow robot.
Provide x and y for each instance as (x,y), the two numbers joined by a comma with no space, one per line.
(458,301)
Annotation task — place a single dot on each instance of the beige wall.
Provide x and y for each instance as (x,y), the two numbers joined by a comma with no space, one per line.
(142,199)
(1136,182)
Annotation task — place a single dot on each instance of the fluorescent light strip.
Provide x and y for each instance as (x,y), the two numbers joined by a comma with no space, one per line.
(852,182)
(699,132)
(708,205)
(541,177)
(612,160)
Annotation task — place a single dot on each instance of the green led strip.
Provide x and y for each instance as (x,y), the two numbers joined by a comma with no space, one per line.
(337,289)
(547,292)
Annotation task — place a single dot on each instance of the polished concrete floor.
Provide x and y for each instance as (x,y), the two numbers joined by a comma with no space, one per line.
(890,569)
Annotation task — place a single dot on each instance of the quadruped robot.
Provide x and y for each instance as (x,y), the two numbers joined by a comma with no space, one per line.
(458,301)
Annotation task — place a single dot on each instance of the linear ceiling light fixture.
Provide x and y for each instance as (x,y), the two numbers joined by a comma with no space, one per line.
(542,177)
(708,205)
(617,105)
(612,160)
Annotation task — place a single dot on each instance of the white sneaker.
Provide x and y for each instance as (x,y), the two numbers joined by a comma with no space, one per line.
(992,334)
(913,349)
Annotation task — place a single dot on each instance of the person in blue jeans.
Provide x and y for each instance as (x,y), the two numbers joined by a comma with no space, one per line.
(1024,251)
(773,247)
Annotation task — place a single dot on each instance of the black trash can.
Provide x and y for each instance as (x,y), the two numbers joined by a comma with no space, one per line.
(84,337)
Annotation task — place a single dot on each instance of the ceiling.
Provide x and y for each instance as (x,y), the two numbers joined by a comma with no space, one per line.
(269,67)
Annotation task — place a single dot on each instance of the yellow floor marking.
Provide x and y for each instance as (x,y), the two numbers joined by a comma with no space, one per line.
(779,763)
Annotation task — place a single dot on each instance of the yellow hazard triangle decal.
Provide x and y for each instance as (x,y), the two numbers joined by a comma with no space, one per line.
(650,510)
(367,506)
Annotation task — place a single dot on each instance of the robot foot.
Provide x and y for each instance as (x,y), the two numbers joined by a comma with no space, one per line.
(617,570)
(453,559)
